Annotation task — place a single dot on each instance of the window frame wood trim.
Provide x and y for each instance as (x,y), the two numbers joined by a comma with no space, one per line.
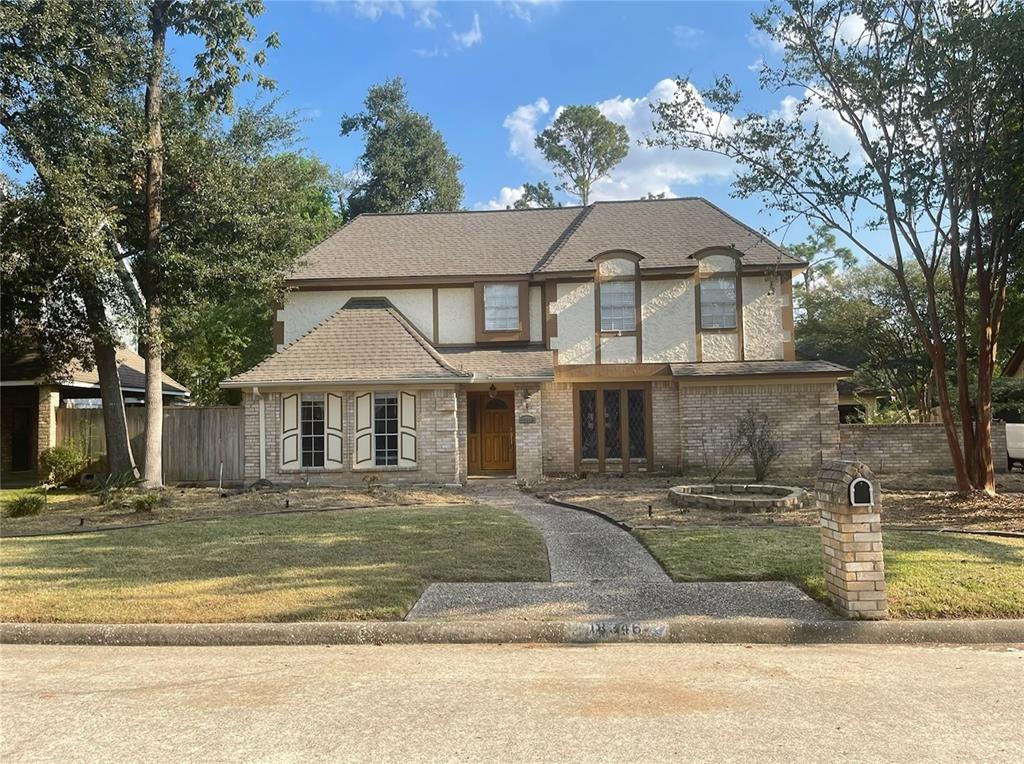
(599,389)
(484,335)
(637,331)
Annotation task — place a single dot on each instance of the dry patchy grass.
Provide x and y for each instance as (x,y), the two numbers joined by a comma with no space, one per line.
(351,565)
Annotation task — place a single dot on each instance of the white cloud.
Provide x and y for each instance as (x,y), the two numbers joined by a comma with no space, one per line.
(427,16)
(523,9)
(761,40)
(374,9)
(837,134)
(645,170)
(506,198)
(852,29)
(471,36)
(687,37)
(522,129)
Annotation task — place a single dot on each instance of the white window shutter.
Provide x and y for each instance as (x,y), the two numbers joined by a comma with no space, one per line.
(362,454)
(332,433)
(290,431)
(407,430)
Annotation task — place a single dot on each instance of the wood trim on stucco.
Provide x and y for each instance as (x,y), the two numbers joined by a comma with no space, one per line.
(698,341)
(738,274)
(609,372)
(437,325)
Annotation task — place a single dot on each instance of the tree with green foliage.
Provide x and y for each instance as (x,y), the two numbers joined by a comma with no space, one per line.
(582,146)
(405,165)
(823,256)
(536,195)
(67,70)
(931,94)
(223,28)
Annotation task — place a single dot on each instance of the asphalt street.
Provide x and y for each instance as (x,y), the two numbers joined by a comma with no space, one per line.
(500,703)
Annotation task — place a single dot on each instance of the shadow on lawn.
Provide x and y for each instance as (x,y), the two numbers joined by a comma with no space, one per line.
(355,564)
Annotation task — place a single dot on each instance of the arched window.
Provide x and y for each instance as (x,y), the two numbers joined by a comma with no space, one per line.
(496,404)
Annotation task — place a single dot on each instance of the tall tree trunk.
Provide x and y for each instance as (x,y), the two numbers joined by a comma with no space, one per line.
(115,425)
(151,270)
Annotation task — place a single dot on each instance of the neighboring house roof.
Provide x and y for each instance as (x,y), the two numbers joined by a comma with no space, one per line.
(743,368)
(527,363)
(29,368)
(1013,366)
(367,340)
(665,233)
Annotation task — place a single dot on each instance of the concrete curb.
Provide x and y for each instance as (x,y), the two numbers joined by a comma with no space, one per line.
(732,630)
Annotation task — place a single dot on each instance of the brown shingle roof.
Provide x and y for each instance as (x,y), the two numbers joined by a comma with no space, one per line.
(742,368)
(131,371)
(535,363)
(366,340)
(508,242)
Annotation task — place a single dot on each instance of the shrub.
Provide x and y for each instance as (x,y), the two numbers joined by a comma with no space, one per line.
(721,454)
(112,490)
(26,505)
(147,502)
(760,441)
(62,464)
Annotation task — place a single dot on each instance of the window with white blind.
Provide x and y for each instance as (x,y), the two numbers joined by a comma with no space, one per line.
(501,307)
(718,302)
(618,306)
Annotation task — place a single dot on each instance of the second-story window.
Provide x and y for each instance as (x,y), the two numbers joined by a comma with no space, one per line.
(618,306)
(718,302)
(501,307)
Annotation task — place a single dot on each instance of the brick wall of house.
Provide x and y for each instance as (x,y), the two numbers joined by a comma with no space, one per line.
(557,425)
(804,413)
(438,452)
(665,402)
(888,448)
(529,434)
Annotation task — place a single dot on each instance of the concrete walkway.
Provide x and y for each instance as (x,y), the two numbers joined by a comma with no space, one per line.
(581,547)
(599,572)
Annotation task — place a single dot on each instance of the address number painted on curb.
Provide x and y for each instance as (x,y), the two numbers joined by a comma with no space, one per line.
(626,630)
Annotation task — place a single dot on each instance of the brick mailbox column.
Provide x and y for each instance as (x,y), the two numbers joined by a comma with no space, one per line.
(850,504)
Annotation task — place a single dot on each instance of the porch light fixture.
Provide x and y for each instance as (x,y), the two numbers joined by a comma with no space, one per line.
(492,392)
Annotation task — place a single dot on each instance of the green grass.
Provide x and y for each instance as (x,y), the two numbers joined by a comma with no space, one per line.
(8,495)
(928,575)
(348,565)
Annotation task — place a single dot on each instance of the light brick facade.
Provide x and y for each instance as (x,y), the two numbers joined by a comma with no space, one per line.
(558,435)
(529,417)
(851,539)
(910,447)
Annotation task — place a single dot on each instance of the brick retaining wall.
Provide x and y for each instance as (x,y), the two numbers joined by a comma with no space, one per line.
(909,447)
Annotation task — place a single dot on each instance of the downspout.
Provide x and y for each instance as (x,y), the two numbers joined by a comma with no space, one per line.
(263,432)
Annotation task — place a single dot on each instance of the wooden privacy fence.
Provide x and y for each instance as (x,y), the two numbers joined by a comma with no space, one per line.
(196,440)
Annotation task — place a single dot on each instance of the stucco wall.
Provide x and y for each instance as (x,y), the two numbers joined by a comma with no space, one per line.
(455,316)
(618,349)
(574,306)
(668,321)
(762,320)
(888,448)
(536,314)
(718,346)
(304,310)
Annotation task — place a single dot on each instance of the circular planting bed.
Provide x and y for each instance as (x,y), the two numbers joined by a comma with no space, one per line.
(739,498)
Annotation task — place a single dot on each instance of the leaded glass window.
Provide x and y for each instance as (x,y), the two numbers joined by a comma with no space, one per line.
(637,416)
(612,425)
(588,424)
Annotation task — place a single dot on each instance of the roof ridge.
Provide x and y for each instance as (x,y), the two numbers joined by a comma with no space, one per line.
(563,237)
(467,212)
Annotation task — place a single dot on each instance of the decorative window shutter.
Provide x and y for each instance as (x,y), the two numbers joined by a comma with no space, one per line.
(407,430)
(332,433)
(290,431)
(362,454)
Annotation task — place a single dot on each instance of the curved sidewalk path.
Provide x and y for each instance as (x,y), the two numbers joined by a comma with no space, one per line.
(599,572)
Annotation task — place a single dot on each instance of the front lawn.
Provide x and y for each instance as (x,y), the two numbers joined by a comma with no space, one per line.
(346,565)
(928,575)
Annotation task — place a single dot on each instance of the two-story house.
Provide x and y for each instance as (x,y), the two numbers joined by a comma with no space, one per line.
(617,337)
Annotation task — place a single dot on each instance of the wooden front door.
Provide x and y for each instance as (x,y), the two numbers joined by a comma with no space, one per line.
(492,445)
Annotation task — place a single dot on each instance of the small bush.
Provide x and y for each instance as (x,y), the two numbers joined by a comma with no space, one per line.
(147,502)
(112,490)
(26,505)
(62,464)
(760,441)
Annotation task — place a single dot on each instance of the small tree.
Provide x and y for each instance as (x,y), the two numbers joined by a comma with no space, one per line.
(583,145)
(759,439)
(722,454)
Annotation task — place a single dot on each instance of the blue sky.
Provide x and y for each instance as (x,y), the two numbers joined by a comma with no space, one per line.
(491,75)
